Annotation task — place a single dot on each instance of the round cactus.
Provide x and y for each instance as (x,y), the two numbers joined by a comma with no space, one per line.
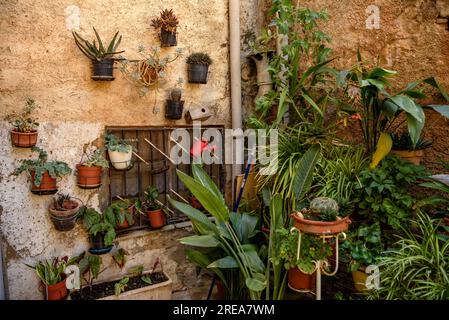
(321,205)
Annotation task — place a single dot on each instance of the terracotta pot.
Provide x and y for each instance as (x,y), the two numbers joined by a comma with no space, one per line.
(57,291)
(321,227)
(65,220)
(156,218)
(300,281)
(48,184)
(359,277)
(414,156)
(88,177)
(24,139)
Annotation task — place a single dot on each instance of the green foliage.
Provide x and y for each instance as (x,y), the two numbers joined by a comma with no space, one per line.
(146,279)
(137,271)
(363,246)
(100,52)
(41,165)
(90,265)
(22,121)
(120,286)
(94,222)
(232,252)
(384,192)
(323,205)
(119,211)
(199,58)
(151,195)
(312,249)
(113,143)
(404,142)
(120,257)
(95,158)
(167,21)
(51,272)
(417,267)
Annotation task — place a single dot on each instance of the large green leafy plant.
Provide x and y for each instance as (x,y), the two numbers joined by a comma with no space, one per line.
(95,223)
(231,235)
(41,165)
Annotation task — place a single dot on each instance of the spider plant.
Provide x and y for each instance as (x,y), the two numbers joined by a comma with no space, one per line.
(98,52)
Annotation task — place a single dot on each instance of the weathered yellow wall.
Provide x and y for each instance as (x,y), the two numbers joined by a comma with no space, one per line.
(39,59)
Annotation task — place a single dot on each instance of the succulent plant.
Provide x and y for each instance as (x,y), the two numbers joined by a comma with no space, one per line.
(176,94)
(199,58)
(167,21)
(321,205)
(22,122)
(98,53)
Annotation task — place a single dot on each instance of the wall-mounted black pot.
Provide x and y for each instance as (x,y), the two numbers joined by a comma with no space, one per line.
(173,109)
(97,245)
(168,39)
(198,73)
(103,70)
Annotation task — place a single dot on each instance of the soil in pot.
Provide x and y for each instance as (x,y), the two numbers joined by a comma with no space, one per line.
(23,139)
(156,218)
(106,289)
(300,281)
(414,156)
(47,186)
(168,39)
(88,177)
(173,109)
(56,291)
(103,70)
(197,73)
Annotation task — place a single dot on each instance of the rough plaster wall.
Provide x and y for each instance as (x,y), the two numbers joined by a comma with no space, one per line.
(39,59)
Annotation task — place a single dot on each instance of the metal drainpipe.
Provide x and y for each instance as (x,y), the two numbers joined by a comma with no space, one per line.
(236,87)
(2,284)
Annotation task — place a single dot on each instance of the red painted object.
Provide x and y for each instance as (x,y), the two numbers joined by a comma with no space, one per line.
(200,146)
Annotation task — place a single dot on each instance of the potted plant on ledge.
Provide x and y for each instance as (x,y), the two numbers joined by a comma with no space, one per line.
(102,58)
(167,23)
(123,213)
(43,173)
(24,132)
(64,211)
(101,230)
(155,212)
(120,152)
(198,67)
(89,170)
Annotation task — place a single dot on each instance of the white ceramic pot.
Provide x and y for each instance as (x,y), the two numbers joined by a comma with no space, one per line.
(120,160)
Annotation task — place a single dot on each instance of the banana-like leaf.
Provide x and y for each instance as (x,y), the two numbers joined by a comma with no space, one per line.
(207,241)
(201,221)
(384,146)
(257,283)
(442,109)
(207,198)
(303,178)
(201,176)
(253,261)
(312,103)
(381,72)
(203,261)
(409,106)
(111,44)
(415,127)
(224,263)
(244,225)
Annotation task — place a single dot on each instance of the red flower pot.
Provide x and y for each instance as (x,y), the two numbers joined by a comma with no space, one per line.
(320,227)
(47,186)
(156,218)
(57,291)
(24,139)
(88,177)
(300,281)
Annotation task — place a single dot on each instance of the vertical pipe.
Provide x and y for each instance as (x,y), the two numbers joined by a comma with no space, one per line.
(236,87)
(2,284)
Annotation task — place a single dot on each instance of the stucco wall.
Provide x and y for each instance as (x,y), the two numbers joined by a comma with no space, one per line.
(39,59)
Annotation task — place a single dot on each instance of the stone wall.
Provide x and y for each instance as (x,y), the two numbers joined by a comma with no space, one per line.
(39,59)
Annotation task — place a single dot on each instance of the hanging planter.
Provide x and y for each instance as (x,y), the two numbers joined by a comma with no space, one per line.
(43,173)
(90,169)
(64,212)
(175,105)
(120,152)
(24,132)
(167,24)
(198,67)
(98,245)
(102,57)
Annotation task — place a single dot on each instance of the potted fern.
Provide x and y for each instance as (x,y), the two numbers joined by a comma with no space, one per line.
(24,132)
(102,57)
(120,152)
(64,211)
(43,172)
(167,23)
(198,67)
(90,168)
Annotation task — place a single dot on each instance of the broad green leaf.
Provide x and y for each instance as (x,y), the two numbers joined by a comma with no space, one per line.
(409,106)
(224,263)
(381,72)
(415,128)
(383,148)
(253,261)
(304,175)
(210,202)
(207,241)
(443,110)
(200,219)
(390,108)
(282,105)
(257,283)
(312,103)
(244,225)
(200,175)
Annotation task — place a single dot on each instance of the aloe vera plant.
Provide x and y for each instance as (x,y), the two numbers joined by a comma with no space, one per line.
(98,52)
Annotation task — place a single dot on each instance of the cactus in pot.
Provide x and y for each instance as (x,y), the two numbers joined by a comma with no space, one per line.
(175,105)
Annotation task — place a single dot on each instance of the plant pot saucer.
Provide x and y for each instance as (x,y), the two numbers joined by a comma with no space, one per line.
(321,227)
(44,192)
(103,78)
(100,251)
